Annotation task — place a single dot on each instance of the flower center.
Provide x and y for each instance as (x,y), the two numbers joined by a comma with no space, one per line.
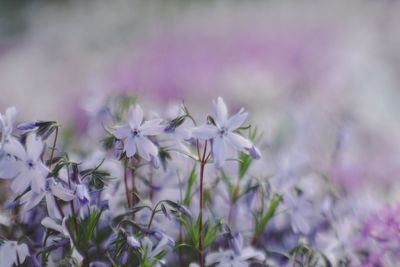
(135,132)
(30,163)
(223,132)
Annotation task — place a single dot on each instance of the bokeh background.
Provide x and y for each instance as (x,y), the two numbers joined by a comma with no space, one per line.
(321,78)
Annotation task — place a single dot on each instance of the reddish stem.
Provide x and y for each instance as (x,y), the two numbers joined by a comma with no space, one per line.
(203,162)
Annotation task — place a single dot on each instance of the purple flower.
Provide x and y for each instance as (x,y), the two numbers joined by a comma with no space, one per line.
(222,133)
(8,165)
(133,242)
(82,193)
(7,123)
(53,188)
(31,170)
(135,134)
(13,253)
(63,230)
(381,234)
(236,257)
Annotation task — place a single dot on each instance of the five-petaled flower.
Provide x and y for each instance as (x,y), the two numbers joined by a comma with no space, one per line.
(31,170)
(12,253)
(223,132)
(135,134)
(8,166)
(53,189)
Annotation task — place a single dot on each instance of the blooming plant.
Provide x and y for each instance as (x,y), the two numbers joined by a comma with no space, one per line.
(171,192)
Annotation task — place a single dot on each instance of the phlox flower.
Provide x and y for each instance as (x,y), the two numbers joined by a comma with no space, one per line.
(338,243)
(12,253)
(223,133)
(8,165)
(381,235)
(238,256)
(31,170)
(152,251)
(135,134)
(7,123)
(53,189)
(49,223)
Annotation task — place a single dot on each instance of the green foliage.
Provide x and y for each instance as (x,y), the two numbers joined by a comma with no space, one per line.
(245,161)
(191,180)
(98,178)
(210,231)
(262,221)
(108,142)
(82,231)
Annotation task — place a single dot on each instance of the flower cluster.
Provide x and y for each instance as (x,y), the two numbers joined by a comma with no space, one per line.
(381,233)
(151,190)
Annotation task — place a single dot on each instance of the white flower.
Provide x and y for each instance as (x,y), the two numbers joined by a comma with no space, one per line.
(31,170)
(235,257)
(12,253)
(133,242)
(31,198)
(8,165)
(7,123)
(135,134)
(63,230)
(222,133)
(152,252)
(337,243)
(82,193)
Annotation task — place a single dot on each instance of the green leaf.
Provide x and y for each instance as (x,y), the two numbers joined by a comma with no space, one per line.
(267,216)
(108,142)
(83,231)
(188,194)
(245,162)
(211,233)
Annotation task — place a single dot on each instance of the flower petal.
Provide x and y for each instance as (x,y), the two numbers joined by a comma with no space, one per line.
(300,223)
(135,116)
(219,151)
(251,253)
(146,148)
(21,182)
(221,111)
(34,146)
(31,200)
(205,132)
(133,242)
(38,179)
(52,208)
(238,142)
(15,148)
(23,252)
(130,146)
(152,127)
(51,224)
(61,192)
(9,167)
(236,120)
(8,255)
(11,114)
(254,152)
(122,131)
